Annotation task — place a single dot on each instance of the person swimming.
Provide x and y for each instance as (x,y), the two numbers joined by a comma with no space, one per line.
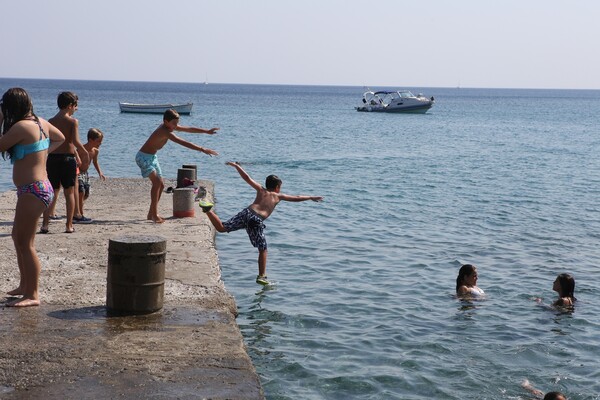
(539,394)
(466,282)
(564,285)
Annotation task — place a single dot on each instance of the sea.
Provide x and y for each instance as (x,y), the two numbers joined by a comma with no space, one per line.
(362,303)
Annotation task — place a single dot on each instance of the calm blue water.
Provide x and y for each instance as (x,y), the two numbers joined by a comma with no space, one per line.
(363,306)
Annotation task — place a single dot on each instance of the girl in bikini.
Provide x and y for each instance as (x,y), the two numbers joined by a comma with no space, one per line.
(466,282)
(27,140)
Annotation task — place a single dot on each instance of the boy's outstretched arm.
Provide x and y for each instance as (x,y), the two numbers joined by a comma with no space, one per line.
(288,197)
(192,146)
(244,175)
(193,129)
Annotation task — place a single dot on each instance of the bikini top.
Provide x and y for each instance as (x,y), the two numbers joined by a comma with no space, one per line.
(19,151)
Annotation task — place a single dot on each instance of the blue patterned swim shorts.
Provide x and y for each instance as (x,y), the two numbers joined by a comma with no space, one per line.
(253,223)
(148,163)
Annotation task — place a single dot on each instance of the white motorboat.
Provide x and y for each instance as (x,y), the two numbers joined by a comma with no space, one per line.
(401,101)
(183,108)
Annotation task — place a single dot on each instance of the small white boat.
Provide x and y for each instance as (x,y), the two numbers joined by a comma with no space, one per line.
(183,108)
(401,101)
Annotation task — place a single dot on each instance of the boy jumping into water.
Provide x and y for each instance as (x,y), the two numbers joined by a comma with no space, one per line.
(148,162)
(251,218)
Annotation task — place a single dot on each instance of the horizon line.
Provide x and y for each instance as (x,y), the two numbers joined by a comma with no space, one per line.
(298,84)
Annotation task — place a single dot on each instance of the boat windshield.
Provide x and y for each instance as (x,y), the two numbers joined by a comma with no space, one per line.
(372,98)
(405,93)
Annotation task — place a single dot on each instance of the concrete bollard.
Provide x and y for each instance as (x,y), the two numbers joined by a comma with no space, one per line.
(183,173)
(135,280)
(192,166)
(183,202)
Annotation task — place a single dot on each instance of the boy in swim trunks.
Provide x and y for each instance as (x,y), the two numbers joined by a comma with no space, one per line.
(94,141)
(61,164)
(147,160)
(251,218)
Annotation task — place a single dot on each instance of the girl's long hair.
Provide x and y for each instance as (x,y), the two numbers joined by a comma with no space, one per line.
(567,285)
(16,105)
(465,270)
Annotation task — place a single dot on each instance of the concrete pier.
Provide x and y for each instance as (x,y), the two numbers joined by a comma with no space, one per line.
(70,348)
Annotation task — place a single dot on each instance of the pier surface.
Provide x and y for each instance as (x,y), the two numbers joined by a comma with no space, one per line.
(71,348)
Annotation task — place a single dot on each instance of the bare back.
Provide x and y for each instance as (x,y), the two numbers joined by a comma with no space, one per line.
(69,128)
(265,202)
(32,167)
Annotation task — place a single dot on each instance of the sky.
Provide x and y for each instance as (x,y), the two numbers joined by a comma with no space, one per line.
(432,43)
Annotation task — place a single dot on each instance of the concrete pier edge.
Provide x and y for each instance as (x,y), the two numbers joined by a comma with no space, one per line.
(69,347)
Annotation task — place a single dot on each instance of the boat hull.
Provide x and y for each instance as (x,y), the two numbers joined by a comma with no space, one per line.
(420,109)
(185,108)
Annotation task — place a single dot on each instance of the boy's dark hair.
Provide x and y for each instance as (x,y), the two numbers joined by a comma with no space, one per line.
(554,396)
(272,182)
(65,99)
(95,133)
(170,115)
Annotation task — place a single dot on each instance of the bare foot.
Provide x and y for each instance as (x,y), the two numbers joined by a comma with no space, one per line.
(158,219)
(23,302)
(16,292)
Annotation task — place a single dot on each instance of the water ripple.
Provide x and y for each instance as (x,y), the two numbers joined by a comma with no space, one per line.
(363,304)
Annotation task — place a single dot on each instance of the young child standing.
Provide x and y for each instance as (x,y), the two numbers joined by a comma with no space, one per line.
(147,160)
(251,218)
(94,141)
(27,139)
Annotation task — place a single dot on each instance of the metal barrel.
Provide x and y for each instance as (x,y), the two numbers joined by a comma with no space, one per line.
(191,166)
(183,173)
(136,274)
(183,202)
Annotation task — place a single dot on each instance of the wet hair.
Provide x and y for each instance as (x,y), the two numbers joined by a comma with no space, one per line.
(95,133)
(272,182)
(65,99)
(554,396)
(465,270)
(170,115)
(567,285)
(16,105)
